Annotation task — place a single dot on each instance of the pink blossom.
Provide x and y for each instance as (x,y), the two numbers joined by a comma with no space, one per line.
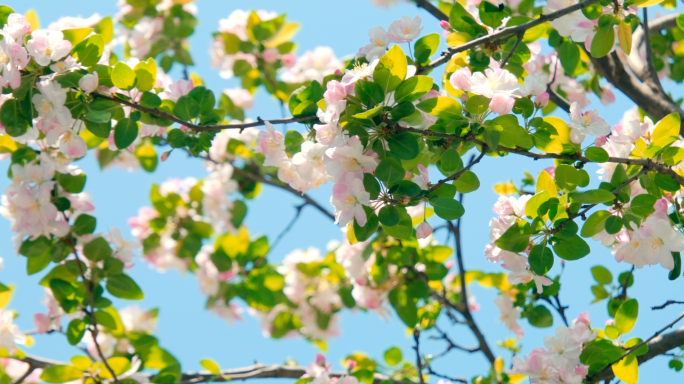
(424,230)
(587,123)
(288,60)
(177,89)
(349,196)
(349,158)
(501,104)
(422,179)
(271,55)
(17,26)
(47,46)
(600,141)
(445,25)
(367,297)
(89,82)
(405,29)
(335,92)
(42,322)
(272,144)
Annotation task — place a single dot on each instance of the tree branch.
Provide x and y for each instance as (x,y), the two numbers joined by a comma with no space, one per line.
(256,371)
(503,33)
(666,304)
(201,128)
(434,11)
(656,345)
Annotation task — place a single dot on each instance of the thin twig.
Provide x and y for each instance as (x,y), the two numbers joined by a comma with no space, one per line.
(512,51)
(201,128)
(623,286)
(596,376)
(502,34)
(416,347)
(298,211)
(654,81)
(666,304)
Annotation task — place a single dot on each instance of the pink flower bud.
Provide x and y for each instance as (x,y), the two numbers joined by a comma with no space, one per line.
(541,100)
(461,79)
(165,156)
(610,322)
(424,230)
(89,82)
(450,264)
(582,370)
(501,104)
(350,364)
(551,171)
(271,55)
(601,141)
(320,359)
(445,25)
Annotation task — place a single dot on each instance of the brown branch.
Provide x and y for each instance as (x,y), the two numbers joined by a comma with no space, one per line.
(430,8)
(201,128)
(656,346)
(256,371)
(653,79)
(419,361)
(503,33)
(648,163)
(557,99)
(666,304)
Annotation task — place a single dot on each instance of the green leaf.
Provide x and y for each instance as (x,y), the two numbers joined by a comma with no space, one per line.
(76,35)
(412,88)
(666,182)
(540,317)
(388,215)
(150,100)
(125,133)
(673,155)
(572,248)
(601,274)
(533,204)
(567,177)
(75,331)
(71,183)
(186,108)
(596,154)
(371,185)
(89,51)
(84,224)
(145,75)
(442,107)
(123,287)
(516,238)
(467,182)
(450,161)
(13,118)
(368,230)
(642,205)
(569,55)
(591,355)
(448,209)
(603,41)
(541,259)
(593,196)
(60,374)
(677,270)
(477,104)
(404,305)
(425,47)
(393,356)
(492,135)
(97,249)
(613,225)
(390,171)
(204,97)
(123,76)
(391,69)
(36,247)
(402,230)
(627,315)
(404,145)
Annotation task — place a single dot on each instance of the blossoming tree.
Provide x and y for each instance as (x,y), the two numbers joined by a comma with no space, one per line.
(375,126)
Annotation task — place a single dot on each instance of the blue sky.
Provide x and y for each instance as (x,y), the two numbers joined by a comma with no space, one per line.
(192,334)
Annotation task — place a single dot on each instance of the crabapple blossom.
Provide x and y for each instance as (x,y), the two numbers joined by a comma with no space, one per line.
(135,319)
(405,29)
(50,104)
(228,312)
(349,196)
(17,26)
(313,65)
(541,100)
(46,46)
(509,314)
(240,97)
(349,159)
(13,58)
(501,105)
(652,243)
(587,123)
(177,89)
(422,179)
(377,46)
(272,144)
(72,145)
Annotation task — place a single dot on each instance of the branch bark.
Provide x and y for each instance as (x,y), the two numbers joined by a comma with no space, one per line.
(434,11)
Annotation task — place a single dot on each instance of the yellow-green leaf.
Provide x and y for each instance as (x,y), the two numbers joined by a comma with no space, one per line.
(123,76)
(145,74)
(60,374)
(211,366)
(626,315)
(627,369)
(441,106)
(76,35)
(457,38)
(545,183)
(625,36)
(667,130)
(118,364)
(533,204)
(105,28)
(391,69)
(89,51)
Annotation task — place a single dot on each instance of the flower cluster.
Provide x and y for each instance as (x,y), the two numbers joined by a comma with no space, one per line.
(403,30)
(559,361)
(509,210)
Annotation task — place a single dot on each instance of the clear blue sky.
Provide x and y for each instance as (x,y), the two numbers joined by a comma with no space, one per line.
(192,334)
